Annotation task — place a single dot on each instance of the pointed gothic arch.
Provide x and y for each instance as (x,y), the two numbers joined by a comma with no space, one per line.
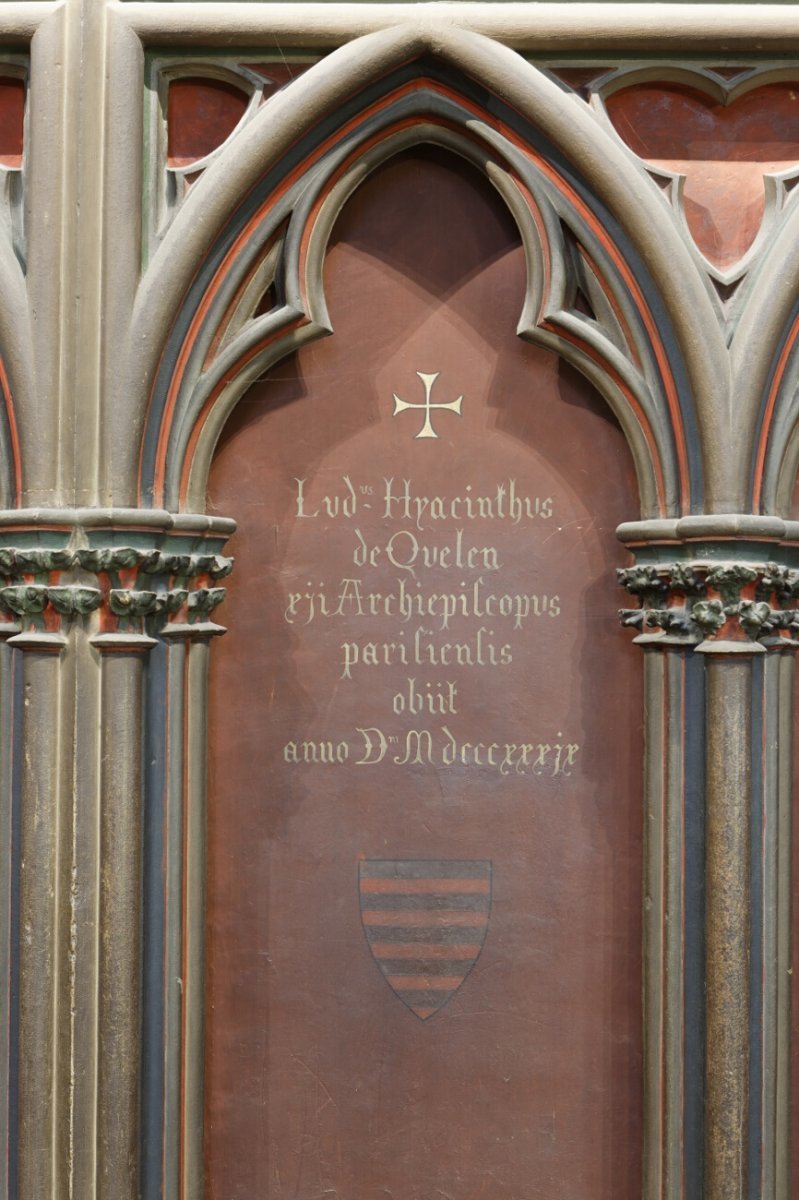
(261,216)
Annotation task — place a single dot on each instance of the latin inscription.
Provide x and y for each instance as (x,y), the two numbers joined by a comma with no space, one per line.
(424,590)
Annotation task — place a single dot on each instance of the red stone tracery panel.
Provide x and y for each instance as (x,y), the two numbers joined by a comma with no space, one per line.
(201,114)
(724,150)
(12,121)
(424,963)
(203,111)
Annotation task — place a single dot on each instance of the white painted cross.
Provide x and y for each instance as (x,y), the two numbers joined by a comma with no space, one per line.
(427,430)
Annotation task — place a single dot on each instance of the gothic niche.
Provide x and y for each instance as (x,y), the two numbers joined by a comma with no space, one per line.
(424,942)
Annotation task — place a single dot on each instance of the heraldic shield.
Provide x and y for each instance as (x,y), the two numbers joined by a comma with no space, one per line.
(425,922)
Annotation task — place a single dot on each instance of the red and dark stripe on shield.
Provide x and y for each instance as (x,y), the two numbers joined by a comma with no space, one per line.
(425,922)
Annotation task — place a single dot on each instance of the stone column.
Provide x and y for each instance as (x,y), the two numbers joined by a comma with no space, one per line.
(184,904)
(91,603)
(718,622)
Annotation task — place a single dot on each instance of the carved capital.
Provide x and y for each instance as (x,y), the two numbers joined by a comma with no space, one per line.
(128,576)
(148,590)
(718,606)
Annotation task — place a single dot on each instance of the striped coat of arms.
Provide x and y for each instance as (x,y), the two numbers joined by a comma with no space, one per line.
(425,922)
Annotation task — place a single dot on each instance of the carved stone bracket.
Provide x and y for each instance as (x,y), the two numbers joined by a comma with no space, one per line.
(124,585)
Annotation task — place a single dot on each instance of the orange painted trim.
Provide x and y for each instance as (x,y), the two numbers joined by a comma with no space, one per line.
(546,169)
(768,415)
(617,312)
(651,327)
(199,424)
(222,270)
(12,432)
(234,303)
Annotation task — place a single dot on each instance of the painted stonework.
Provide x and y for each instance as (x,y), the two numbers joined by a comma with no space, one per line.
(196,330)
